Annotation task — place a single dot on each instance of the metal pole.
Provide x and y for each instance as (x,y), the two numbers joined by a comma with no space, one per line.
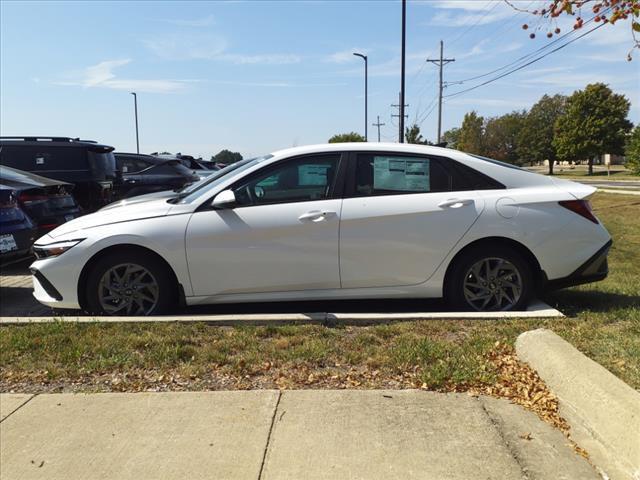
(366,99)
(402,61)
(440,94)
(135,106)
(366,94)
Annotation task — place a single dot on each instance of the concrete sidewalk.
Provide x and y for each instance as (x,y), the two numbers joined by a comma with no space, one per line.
(306,434)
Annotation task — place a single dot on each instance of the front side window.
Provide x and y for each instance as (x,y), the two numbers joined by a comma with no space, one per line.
(299,180)
(380,174)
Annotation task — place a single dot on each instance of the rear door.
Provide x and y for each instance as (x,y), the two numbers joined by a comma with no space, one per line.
(401,216)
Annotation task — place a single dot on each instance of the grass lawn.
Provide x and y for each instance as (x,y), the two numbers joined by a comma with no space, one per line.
(580,172)
(603,321)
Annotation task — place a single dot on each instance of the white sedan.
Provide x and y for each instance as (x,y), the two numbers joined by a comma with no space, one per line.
(337,221)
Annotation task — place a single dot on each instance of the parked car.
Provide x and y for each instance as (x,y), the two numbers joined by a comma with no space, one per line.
(90,166)
(145,174)
(49,203)
(17,232)
(196,165)
(334,221)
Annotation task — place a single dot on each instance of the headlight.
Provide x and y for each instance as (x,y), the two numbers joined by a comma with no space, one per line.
(54,249)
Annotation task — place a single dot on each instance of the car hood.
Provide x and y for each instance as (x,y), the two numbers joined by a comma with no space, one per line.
(137,208)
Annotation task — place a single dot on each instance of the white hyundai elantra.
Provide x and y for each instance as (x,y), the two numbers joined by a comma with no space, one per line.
(337,221)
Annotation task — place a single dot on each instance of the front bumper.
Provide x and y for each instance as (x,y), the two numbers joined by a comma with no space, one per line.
(596,268)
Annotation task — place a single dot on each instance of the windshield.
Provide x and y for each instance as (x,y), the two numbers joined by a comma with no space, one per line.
(497,162)
(188,193)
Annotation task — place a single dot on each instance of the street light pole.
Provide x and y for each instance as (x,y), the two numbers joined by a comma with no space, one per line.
(366,74)
(135,106)
(402,71)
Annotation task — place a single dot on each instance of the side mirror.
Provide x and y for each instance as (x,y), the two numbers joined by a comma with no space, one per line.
(224,199)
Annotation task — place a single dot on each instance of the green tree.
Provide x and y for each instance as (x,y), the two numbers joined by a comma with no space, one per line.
(501,137)
(594,123)
(226,156)
(451,137)
(347,137)
(535,141)
(633,151)
(413,135)
(471,135)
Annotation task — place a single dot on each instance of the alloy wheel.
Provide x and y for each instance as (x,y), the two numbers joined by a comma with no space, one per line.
(492,284)
(128,289)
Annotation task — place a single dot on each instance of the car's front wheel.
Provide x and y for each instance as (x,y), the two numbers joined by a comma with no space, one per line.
(128,283)
(490,279)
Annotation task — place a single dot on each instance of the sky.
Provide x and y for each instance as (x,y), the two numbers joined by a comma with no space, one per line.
(258,76)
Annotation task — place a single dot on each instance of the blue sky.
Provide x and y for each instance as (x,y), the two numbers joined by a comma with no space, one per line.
(256,76)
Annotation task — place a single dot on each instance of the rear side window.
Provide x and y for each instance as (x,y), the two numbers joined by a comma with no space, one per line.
(379,174)
(133,164)
(466,178)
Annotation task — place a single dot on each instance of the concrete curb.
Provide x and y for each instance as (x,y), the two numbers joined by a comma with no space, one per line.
(536,310)
(602,410)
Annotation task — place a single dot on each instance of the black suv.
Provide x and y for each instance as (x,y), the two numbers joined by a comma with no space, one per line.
(146,174)
(90,166)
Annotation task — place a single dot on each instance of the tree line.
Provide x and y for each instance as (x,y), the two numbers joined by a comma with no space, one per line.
(582,126)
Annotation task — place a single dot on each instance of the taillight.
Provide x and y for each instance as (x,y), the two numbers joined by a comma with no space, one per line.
(581,207)
(27,199)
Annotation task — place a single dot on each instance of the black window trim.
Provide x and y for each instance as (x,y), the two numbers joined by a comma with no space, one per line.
(335,191)
(447,163)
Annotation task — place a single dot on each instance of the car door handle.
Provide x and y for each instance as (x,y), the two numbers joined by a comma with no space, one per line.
(316,215)
(455,202)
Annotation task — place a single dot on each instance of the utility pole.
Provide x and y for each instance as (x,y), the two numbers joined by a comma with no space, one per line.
(402,62)
(135,106)
(440,62)
(400,115)
(378,124)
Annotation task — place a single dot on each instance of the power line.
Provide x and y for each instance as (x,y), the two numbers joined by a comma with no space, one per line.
(496,3)
(525,65)
(522,58)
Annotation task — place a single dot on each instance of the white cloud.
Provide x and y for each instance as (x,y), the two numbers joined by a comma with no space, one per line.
(101,75)
(211,47)
(278,84)
(345,56)
(196,22)
(187,47)
(260,59)
(460,13)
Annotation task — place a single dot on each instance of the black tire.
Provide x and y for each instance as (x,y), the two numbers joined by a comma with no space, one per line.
(461,271)
(165,295)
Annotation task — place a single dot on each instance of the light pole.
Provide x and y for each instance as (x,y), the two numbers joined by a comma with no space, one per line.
(135,107)
(366,124)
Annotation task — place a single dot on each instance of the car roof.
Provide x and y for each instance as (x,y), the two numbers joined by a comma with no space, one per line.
(46,141)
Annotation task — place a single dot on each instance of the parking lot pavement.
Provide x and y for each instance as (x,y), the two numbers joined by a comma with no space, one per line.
(282,435)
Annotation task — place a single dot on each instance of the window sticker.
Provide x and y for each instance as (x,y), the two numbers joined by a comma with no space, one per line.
(401,174)
(313,175)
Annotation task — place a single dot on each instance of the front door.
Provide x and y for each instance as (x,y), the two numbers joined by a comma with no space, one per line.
(282,234)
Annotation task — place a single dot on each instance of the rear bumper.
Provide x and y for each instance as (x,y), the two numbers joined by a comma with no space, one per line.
(594,269)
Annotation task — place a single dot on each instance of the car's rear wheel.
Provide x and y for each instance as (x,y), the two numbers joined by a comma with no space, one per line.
(490,279)
(124,283)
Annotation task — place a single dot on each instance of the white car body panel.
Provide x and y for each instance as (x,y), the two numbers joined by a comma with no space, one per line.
(399,240)
(248,247)
(366,247)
